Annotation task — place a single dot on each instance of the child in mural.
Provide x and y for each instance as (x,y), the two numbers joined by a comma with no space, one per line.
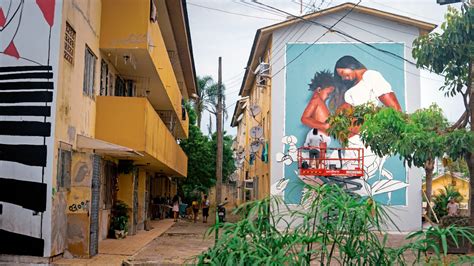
(324,101)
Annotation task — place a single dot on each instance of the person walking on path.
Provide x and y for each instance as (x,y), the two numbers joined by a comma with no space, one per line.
(195,206)
(205,209)
(175,207)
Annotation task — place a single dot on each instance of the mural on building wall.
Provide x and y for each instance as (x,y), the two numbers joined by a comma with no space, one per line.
(27,69)
(331,77)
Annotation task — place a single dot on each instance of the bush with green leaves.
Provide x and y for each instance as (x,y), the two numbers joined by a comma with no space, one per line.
(335,227)
(120,216)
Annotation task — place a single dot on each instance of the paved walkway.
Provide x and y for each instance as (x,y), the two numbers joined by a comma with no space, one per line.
(177,246)
(115,251)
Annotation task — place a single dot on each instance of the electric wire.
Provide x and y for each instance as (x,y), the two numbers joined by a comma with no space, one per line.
(229,12)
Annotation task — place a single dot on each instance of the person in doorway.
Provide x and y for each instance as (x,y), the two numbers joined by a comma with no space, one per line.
(176,207)
(195,206)
(314,141)
(205,209)
(453,207)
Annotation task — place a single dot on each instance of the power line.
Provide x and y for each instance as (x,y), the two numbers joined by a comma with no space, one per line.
(400,10)
(347,35)
(329,29)
(228,12)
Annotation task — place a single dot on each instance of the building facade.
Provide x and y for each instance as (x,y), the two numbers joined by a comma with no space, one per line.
(287,62)
(91,113)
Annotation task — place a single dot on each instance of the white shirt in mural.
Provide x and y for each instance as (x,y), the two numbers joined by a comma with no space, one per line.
(368,90)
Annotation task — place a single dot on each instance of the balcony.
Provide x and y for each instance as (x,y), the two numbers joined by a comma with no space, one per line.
(132,122)
(134,45)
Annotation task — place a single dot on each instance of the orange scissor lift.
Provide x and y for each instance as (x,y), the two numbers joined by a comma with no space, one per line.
(351,165)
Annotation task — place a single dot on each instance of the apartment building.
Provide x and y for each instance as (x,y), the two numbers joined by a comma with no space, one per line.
(294,62)
(91,112)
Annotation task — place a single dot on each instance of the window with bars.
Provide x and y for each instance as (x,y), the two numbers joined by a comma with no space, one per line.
(89,72)
(64,169)
(69,43)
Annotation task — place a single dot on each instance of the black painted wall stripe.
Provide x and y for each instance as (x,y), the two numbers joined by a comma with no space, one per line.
(18,244)
(33,155)
(25,128)
(25,110)
(29,195)
(25,68)
(26,85)
(30,75)
(26,97)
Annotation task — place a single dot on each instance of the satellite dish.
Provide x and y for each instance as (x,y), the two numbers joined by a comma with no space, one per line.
(256,132)
(255,110)
(255,146)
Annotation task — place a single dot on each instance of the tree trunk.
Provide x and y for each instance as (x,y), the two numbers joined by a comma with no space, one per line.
(199,120)
(429,167)
(470,156)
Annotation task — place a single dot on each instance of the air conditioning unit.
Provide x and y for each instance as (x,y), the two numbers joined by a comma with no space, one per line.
(248,184)
(264,69)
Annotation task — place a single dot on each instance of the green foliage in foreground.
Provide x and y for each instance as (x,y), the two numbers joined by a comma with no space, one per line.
(336,227)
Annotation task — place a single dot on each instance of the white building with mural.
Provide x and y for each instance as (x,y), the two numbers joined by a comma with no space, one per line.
(302,70)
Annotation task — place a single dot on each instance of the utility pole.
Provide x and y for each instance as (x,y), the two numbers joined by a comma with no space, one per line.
(219,136)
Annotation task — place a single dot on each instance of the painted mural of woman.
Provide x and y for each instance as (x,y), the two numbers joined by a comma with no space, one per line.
(361,86)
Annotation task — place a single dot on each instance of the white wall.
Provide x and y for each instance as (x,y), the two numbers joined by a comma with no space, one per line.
(408,217)
(36,44)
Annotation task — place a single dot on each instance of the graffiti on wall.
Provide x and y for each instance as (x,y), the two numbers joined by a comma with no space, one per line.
(82,206)
(329,78)
(27,72)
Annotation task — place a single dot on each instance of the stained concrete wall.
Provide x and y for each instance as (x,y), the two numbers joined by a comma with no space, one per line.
(78,205)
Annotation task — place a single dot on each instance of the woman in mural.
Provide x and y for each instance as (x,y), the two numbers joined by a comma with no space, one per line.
(362,86)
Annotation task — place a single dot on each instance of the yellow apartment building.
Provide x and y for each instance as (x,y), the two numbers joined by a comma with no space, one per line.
(106,80)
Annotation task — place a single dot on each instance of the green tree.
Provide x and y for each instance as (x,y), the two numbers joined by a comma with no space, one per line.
(201,152)
(451,54)
(201,165)
(207,97)
(201,101)
(418,138)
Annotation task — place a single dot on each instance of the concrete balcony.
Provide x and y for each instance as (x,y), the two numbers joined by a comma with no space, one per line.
(132,122)
(134,45)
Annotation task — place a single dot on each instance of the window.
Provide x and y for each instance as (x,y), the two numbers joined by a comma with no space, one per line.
(104,78)
(89,72)
(64,168)
(69,43)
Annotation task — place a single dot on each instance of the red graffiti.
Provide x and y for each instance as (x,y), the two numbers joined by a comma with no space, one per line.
(12,51)
(3,19)
(47,7)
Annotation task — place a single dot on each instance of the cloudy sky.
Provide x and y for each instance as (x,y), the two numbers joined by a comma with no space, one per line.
(227,27)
